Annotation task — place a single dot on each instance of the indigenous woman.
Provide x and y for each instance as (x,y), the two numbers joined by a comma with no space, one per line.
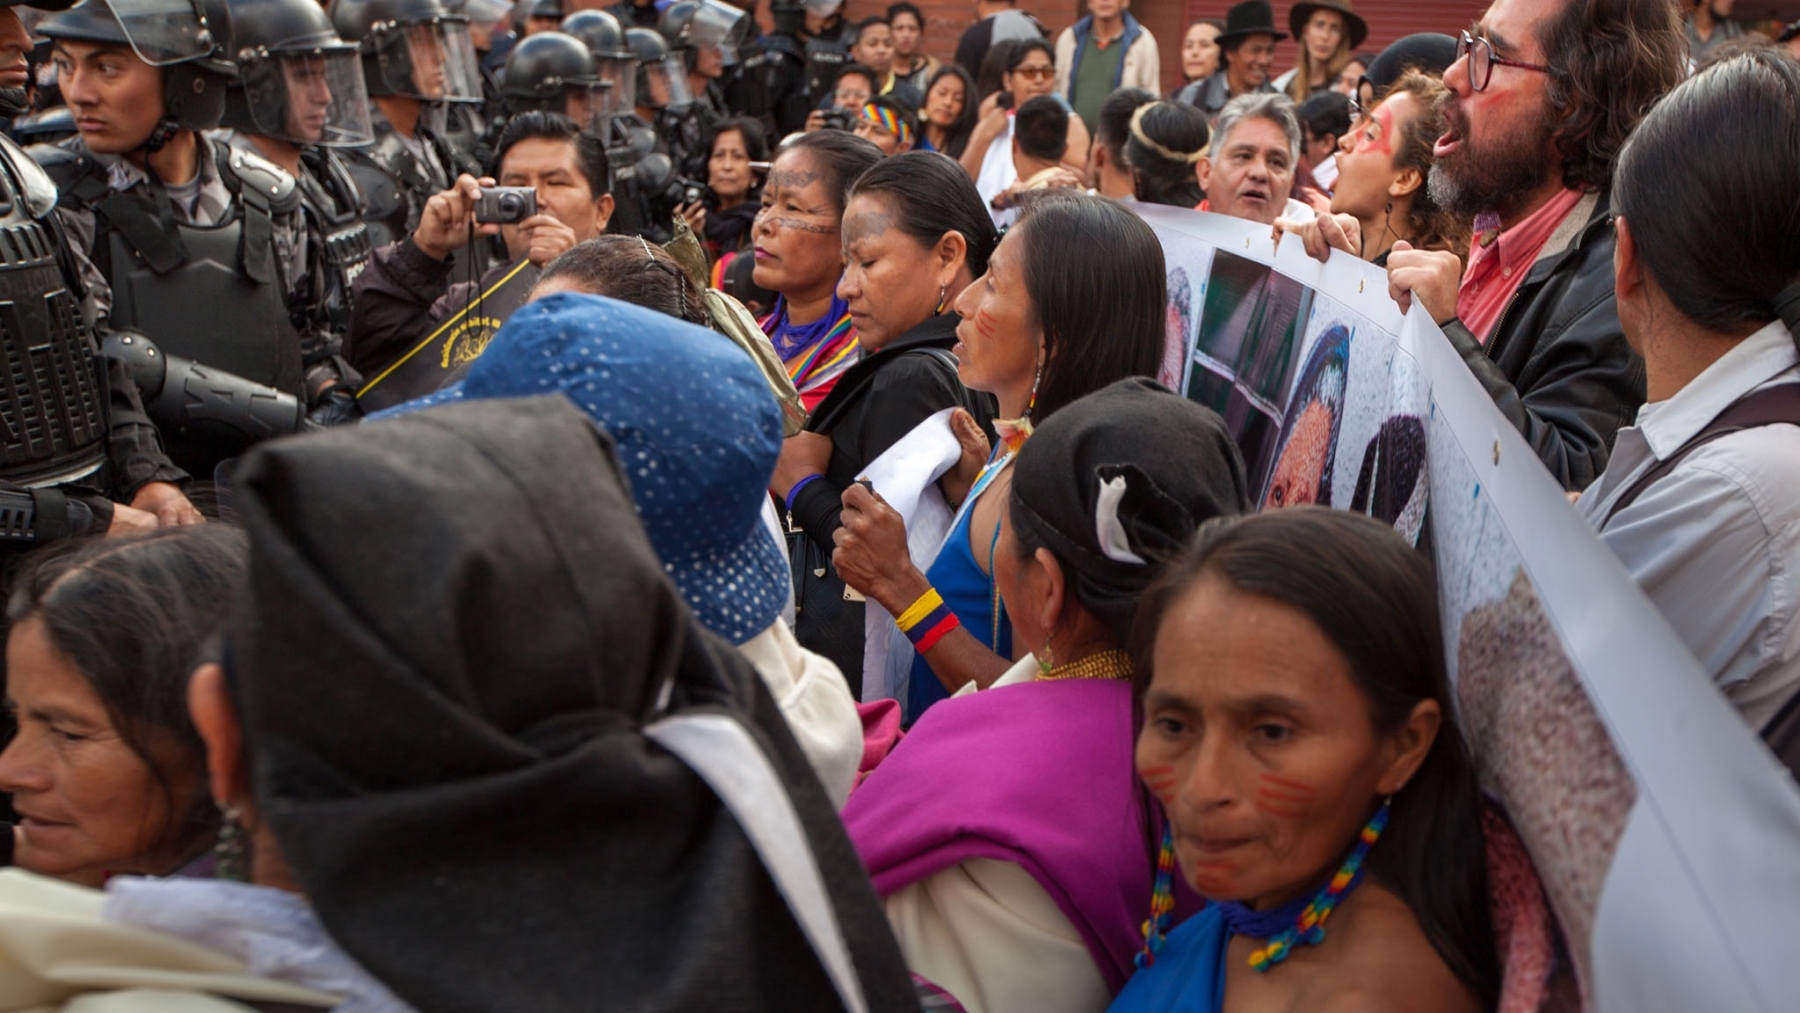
(1382,197)
(1298,733)
(1328,32)
(105,771)
(1021,889)
(731,188)
(1200,50)
(799,252)
(409,808)
(915,235)
(1073,299)
(949,113)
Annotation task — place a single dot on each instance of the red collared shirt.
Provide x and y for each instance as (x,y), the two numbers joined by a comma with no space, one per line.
(1499,261)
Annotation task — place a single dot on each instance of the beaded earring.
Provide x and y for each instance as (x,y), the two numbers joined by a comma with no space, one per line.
(232,847)
(1162,901)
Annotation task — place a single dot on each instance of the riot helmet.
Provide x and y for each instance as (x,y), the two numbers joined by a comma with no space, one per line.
(555,73)
(189,39)
(661,79)
(614,63)
(297,80)
(691,25)
(413,49)
(542,15)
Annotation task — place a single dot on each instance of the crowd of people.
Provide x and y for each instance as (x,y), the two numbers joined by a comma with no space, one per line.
(443,573)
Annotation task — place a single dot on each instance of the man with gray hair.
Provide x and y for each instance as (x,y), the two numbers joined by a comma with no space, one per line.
(1250,171)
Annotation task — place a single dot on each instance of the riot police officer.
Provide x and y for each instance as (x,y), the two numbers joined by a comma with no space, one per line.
(629,140)
(709,36)
(77,447)
(636,13)
(416,58)
(299,95)
(795,65)
(555,73)
(177,235)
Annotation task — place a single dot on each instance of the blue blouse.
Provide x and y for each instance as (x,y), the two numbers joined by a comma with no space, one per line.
(1189,973)
(969,593)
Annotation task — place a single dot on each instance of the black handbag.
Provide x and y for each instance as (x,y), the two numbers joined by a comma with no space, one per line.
(828,615)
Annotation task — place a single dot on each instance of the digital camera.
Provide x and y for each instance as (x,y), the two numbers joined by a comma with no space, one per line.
(505,205)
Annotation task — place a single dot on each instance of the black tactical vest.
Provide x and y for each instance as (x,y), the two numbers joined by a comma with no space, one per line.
(214,293)
(52,386)
(334,212)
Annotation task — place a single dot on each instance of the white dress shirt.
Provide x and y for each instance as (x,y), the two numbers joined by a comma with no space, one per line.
(1716,542)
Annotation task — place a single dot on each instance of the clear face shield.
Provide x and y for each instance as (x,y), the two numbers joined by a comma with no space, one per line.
(618,81)
(163,32)
(722,27)
(433,61)
(312,97)
(664,84)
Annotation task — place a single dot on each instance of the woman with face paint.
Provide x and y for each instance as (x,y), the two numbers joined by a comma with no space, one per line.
(1381,197)
(1090,521)
(1074,298)
(914,236)
(1298,734)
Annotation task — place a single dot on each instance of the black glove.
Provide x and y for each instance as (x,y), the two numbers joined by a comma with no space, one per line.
(335,407)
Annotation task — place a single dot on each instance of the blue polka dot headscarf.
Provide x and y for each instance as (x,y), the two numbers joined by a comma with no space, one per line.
(697,432)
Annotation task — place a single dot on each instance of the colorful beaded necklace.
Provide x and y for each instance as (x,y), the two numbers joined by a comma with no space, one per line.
(1301,923)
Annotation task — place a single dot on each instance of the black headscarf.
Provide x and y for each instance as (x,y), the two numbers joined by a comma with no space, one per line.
(452,640)
(1180,468)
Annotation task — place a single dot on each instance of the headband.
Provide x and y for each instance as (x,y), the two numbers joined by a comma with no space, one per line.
(1138,135)
(887,120)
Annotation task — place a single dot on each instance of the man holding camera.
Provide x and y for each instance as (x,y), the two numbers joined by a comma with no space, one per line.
(554,180)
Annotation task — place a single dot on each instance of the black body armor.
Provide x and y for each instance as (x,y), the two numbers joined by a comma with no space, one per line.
(334,212)
(53,393)
(825,56)
(393,185)
(213,295)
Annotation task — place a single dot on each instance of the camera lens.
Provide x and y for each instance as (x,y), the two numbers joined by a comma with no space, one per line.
(512,205)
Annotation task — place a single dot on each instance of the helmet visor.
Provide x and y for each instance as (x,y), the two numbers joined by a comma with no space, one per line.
(664,84)
(163,32)
(315,97)
(434,62)
(722,27)
(618,80)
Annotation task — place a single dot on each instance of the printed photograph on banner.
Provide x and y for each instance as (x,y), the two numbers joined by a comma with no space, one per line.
(1539,745)
(1352,435)
(1245,352)
(1188,260)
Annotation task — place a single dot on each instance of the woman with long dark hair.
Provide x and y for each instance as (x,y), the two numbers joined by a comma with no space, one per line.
(733,189)
(106,772)
(1030,72)
(915,235)
(949,114)
(1074,299)
(1043,915)
(799,255)
(1298,733)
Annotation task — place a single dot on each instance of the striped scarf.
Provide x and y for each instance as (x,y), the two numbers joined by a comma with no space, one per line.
(815,354)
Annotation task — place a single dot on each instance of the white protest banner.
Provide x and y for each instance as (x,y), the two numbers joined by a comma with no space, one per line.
(1667,838)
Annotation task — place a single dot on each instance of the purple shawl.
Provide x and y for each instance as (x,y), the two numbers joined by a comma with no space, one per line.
(1038,774)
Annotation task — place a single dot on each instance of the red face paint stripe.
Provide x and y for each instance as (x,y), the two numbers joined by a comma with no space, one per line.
(984,324)
(1283,796)
(1299,786)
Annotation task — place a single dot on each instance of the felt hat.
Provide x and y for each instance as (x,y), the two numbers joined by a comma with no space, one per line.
(1357,28)
(1252,17)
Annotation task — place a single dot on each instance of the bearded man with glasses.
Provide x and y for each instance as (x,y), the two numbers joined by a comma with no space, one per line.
(1543,94)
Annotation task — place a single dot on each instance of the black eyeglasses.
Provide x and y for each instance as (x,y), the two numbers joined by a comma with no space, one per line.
(1480,54)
